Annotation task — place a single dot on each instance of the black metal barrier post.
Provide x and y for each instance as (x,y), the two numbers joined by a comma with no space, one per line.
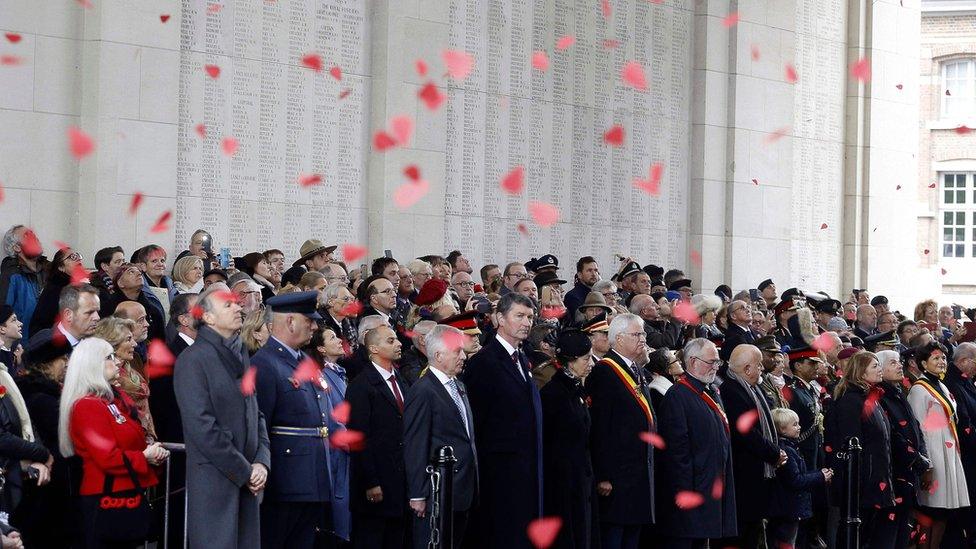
(442,499)
(851,504)
(173,447)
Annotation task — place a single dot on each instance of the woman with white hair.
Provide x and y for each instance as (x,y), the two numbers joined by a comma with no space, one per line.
(909,459)
(100,425)
(707,306)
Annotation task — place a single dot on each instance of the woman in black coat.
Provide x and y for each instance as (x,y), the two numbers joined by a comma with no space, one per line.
(908,454)
(45,517)
(569,489)
(856,413)
(58,276)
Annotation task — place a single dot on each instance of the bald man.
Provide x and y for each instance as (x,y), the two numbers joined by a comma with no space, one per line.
(755,452)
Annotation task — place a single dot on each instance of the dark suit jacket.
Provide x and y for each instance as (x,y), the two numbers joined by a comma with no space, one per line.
(619,455)
(301,470)
(432,420)
(805,403)
(508,431)
(698,452)
(374,412)
(225,434)
(750,452)
(735,335)
(162,403)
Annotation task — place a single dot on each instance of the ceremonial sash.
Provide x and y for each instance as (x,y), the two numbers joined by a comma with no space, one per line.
(708,401)
(632,388)
(946,407)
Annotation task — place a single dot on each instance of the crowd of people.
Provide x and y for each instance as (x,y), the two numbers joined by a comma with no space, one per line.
(300,405)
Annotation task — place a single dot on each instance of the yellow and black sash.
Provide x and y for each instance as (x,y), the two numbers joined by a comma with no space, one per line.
(946,407)
(632,388)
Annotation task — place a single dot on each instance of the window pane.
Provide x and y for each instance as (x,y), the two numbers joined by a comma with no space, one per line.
(960,234)
(947,250)
(960,197)
(947,218)
(960,250)
(960,218)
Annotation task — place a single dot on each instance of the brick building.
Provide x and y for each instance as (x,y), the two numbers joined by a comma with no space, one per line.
(947,152)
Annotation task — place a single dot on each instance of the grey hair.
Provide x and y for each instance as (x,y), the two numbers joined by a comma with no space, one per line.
(636,303)
(603,285)
(423,328)
(963,351)
(10,239)
(436,341)
(70,294)
(331,291)
(695,348)
(85,377)
(621,323)
(885,356)
(368,323)
(418,265)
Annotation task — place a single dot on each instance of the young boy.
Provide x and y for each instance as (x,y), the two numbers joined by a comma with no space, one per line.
(10,334)
(792,498)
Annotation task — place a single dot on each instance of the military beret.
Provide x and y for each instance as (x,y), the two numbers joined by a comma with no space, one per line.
(431,291)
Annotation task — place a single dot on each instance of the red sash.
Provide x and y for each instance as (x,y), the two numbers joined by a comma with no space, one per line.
(708,401)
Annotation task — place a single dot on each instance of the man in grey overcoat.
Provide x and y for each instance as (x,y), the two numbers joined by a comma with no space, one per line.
(227,449)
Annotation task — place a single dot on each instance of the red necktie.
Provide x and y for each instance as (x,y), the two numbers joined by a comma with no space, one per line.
(396,392)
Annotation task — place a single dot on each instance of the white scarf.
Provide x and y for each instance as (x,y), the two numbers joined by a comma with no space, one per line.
(13,393)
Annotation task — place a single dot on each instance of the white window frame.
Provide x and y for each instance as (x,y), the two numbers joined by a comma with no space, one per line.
(962,201)
(958,93)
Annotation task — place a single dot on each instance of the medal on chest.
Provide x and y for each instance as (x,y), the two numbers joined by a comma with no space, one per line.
(119,418)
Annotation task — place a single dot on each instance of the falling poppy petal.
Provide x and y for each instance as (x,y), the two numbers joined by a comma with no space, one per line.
(633,74)
(687,500)
(543,213)
(248,381)
(653,439)
(410,193)
(229,145)
(402,128)
(313,61)
(135,203)
(565,42)
(341,412)
(431,96)
(162,223)
(352,252)
(309,180)
(542,531)
(80,143)
(336,72)
(513,182)
(540,61)
(212,70)
(614,136)
(459,63)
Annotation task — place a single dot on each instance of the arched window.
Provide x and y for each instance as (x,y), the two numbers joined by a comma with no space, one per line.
(959,89)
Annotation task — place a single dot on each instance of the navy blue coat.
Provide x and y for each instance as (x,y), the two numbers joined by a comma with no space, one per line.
(575,297)
(619,455)
(698,452)
(792,496)
(339,462)
(750,453)
(300,464)
(508,433)
(964,390)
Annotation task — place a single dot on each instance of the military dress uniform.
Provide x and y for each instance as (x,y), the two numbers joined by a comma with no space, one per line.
(299,487)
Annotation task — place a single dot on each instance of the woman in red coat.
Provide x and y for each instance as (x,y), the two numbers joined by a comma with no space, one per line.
(101,426)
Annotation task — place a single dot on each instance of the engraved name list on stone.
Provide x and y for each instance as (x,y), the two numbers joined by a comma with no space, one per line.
(288,122)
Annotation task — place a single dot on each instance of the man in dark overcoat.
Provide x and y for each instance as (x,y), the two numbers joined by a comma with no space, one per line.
(697,459)
(738,332)
(508,430)
(621,410)
(297,414)
(378,491)
(227,449)
(438,414)
(755,445)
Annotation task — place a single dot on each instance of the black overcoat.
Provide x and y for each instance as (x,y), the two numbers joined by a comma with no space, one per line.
(750,452)
(508,433)
(570,490)
(619,454)
(697,458)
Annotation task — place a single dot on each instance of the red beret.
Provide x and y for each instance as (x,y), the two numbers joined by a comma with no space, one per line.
(433,290)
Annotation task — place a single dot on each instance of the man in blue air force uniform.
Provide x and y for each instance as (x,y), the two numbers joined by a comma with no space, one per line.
(297,413)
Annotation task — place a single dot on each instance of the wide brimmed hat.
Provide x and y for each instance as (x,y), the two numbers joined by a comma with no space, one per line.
(310,249)
(594,300)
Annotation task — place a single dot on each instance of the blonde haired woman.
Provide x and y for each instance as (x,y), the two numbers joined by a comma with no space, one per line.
(255,330)
(188,275)
(98,424)
(132,375)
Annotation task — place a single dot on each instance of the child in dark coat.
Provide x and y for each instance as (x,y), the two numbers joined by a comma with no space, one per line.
(792,497)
